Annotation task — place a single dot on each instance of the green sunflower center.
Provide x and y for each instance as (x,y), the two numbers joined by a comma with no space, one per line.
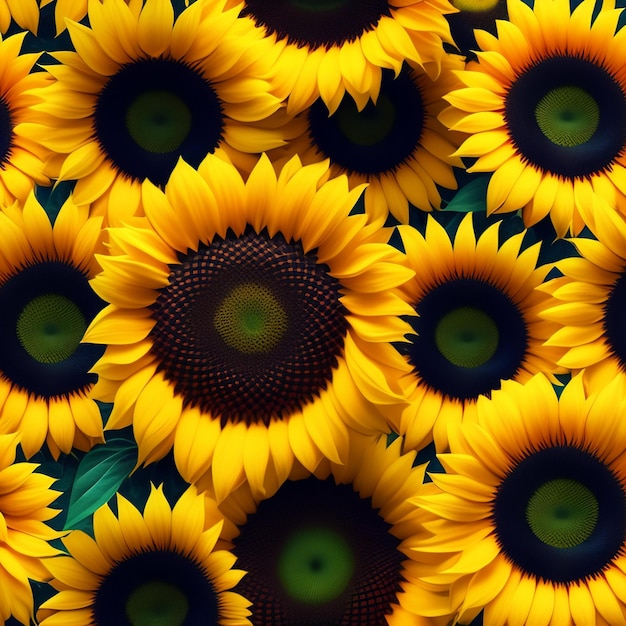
(467,337)
(369,126)
(316,565)
(475,6)
(158,121)
(250,319)
(568,116)
(157,603)
(562,513)
(50,328)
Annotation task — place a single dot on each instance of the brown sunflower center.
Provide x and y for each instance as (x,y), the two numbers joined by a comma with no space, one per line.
(249,327)
(316,23)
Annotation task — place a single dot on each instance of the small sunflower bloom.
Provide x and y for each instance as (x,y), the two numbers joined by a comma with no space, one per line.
(395,144)
(249,323)
(545,106)
(144,88)
(528,520)
(25,499)
(46,303)
(159,566)
(476,321)
(331,48)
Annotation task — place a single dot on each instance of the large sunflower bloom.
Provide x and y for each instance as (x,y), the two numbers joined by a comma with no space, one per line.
(143,89)
(332,546)
(159,567)
(476,322)
(329,48)
(546,106)
(46,302)
(249,323)
(25,496)
(528,520)
(395,144)
(590,300)
(22,155)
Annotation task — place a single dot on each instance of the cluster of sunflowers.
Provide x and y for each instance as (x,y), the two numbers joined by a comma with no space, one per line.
(312,313)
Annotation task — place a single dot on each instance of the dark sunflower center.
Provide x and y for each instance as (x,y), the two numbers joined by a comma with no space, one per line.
(560,514)
(157,588)
(614,327)
(157,603)
(566,116)
(6,131)
(154,111)
(316,23)
(378,138)
(249,327)
(44,311)
(469,336)
(316,553)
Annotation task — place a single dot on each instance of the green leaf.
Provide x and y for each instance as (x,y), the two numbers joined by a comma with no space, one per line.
(471,198)
(99,475)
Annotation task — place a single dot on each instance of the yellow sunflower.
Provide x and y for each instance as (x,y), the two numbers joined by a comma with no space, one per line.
(249,323)
(330,47)
(590,300)
(159,567)
(546,106)
(476,322)
(143,89)
(46,302)
(22,155)
(25,13)
(25,496)
(528,520)
(332,546)
(396,144)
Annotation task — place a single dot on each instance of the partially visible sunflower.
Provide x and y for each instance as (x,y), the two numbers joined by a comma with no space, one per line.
(46,303)
(143,89)
(476,322)
(22,154)
(330,47)
(528,520)
(156,567)
(249,324)
(332,546)
(546,106)
(590,300)
(396,144)
(472,15)
(25,13)
(25,496)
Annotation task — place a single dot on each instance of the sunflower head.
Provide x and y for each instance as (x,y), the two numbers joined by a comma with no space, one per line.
(161,565)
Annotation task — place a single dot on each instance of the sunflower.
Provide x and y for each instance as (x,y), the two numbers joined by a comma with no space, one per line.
(250,323)
(330,47)
(24,535)
(396,143)
(143,89)
(475,322)
(332,546)
(546,106)
(590,299)
(22,155)
(25,13)
(46,302)
(159,567)
(528,520)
